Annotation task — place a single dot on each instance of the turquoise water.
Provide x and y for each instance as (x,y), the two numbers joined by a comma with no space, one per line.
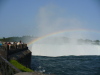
(67,65)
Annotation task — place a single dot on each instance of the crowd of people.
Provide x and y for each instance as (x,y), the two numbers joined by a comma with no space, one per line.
(11,43)
(8,43)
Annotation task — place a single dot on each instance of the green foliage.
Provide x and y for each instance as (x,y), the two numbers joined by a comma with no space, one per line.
(97,41)
(20,66)
(26,39)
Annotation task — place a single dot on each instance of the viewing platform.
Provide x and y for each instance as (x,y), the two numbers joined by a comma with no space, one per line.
(18,52)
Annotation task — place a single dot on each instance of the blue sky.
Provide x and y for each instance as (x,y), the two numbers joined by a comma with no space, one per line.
(42,17)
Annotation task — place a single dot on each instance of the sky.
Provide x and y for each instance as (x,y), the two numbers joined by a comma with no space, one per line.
(43,17)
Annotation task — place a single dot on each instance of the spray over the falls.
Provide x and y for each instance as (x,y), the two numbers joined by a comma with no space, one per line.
(59,47)
(50,19)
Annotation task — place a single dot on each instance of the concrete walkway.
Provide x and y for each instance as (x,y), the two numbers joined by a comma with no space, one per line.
(31,73)
(28,73)
(0,73)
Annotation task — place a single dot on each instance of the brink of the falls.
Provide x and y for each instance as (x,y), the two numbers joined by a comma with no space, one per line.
(64,50)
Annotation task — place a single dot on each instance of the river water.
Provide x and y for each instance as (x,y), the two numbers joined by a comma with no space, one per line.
(67,65)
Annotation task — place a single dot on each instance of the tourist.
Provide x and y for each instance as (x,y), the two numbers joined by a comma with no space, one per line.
(15,42)
(12,43)
(0,43)
(18,43)
(21,42)
(9,45)
(15,45)
(5,42)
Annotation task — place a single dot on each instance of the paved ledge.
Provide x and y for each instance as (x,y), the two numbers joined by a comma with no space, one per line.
(31,73)
(0,73)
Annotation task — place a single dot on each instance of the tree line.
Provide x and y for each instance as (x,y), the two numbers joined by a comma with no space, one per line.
(26,39)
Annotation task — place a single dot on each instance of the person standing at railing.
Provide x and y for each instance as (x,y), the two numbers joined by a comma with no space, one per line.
(15,45)
(18,43)
(9,44)
(21,44)
(12,43)
(0,43)
(5,42)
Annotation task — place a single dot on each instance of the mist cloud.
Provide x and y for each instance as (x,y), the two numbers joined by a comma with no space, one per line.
(51,18)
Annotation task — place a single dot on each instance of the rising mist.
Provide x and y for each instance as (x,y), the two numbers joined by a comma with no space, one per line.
(50,19)
(64,47)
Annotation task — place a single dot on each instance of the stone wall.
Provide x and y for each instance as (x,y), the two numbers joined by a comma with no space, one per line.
(24,57)
(19,53)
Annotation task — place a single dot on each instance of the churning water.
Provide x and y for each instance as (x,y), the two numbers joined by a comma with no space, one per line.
(67,65)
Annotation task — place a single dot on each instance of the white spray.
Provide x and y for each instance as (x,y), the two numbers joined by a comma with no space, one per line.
(52,19)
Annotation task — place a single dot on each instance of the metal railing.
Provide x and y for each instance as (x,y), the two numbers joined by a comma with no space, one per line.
(14,46)
(6,68)
(6,50)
